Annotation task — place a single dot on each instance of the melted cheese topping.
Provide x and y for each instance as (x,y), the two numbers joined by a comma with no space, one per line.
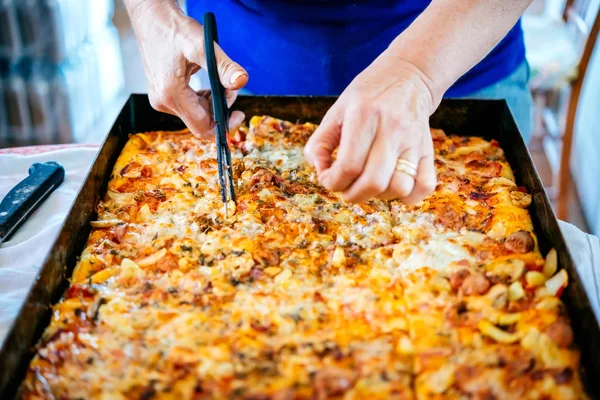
(299,295)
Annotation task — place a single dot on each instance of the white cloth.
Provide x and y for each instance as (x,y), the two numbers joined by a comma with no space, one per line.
(585,250)
(22,256)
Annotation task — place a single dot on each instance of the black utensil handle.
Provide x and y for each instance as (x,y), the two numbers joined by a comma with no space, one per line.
(211,36)
(220,108)
(27,196)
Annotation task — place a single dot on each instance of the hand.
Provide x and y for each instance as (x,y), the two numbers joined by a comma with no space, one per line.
(383,115)
(172,47)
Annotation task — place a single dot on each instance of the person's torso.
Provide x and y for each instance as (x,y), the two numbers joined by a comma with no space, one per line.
(316,47)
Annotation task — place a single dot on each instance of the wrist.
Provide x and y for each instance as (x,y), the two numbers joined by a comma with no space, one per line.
(142,10)
(405,68)
(436,77)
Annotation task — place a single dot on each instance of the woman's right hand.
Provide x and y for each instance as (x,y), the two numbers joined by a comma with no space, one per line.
(172,48)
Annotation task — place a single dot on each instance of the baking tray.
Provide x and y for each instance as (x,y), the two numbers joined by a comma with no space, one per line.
(487,118)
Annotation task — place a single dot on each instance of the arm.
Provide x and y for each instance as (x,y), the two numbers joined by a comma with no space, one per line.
(383,115)
(172,48)
(452,36)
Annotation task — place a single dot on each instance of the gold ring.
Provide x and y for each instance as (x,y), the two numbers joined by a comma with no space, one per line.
(408,171)
(407,167)
(407,163)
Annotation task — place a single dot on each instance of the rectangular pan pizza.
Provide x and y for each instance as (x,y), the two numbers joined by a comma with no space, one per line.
(299,295)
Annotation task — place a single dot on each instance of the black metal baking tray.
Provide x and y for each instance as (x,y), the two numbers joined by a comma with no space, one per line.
(490,119)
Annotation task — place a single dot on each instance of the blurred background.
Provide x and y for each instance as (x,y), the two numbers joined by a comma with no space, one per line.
(61,70)
(67,66)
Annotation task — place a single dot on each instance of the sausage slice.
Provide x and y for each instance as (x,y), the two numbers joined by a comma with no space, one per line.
(519,242)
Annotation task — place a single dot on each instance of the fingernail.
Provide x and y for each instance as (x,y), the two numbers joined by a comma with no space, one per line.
(320,179)
(236,75)
(323,180)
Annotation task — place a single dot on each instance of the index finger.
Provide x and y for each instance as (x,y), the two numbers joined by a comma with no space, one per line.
(193,110)
(323,142)
(357,134)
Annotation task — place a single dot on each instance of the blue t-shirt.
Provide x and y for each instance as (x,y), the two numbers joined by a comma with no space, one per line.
(316,47)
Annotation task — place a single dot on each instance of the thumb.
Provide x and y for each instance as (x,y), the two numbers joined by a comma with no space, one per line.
(232,75)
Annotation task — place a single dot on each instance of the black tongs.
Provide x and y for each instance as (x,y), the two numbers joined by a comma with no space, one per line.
(220,111)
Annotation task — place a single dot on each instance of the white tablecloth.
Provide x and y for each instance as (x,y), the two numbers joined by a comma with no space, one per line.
(22,256)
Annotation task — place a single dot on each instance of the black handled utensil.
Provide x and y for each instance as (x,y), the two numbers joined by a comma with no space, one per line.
(27,196)
(220,111)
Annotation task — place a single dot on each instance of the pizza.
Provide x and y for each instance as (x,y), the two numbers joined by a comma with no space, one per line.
(295,294)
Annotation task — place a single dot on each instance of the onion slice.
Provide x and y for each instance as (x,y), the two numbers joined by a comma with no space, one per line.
(557,283)
(152,258)
(122,198)
(109,223)
(551,263)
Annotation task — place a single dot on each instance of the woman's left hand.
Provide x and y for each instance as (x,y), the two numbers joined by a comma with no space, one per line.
(381,117)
